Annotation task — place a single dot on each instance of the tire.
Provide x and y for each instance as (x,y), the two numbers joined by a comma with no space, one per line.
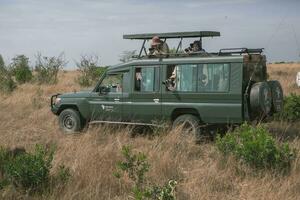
(70,121)
(260,99)
(277,96)
(190,124)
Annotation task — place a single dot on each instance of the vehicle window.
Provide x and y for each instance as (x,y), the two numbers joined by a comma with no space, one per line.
(182,77)
(146,79)
(113,82)
(198,77)
(213,77)
(126,82)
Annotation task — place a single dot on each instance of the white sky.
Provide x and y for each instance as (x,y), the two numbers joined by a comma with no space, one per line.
(80,27)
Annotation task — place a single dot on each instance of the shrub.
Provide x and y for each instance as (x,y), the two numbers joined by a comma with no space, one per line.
(31,171)
(47,68)
(255,147)
(63,174)
(89,70)
(291,109)
(20,69)
(7,84)
(136,166)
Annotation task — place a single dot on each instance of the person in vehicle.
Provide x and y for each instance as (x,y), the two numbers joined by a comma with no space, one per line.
(171,81)
(138,80)
(194,47)
(158,47)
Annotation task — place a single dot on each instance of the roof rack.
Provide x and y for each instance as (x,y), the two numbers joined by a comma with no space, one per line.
(165,36)
(194,34)
(240,51)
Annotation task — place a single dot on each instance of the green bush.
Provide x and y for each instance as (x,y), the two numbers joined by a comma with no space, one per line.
(291,109)
(7,84)
(30,171)
(90,73)
(20,69)
(255,147)
(47,68)
(136,166)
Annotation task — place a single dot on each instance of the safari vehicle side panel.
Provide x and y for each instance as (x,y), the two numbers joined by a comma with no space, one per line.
(211,107)
(76,101)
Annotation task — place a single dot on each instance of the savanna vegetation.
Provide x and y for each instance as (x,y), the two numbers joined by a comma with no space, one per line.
(37,161)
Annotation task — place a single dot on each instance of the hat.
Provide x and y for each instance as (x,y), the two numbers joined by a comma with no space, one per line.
(155,41)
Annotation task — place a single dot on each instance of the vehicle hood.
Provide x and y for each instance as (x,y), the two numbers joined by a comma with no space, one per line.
(80,94)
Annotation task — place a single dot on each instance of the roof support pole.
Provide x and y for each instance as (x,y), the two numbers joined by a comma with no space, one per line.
(179,45)
(143,48)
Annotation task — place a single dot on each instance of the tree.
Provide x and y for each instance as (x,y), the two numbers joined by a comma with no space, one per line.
(47,68)
(89,70)
(20,69)
(7,83)
(127,55)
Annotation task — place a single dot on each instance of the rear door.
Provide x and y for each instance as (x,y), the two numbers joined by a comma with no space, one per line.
(146,95)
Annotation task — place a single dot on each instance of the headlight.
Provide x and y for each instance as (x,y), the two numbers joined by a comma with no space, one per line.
(57,100)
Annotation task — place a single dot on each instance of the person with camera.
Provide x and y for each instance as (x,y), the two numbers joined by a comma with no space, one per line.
(158,47)
(194,47)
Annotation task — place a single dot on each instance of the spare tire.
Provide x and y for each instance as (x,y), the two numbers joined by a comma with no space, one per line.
(277,96)
(260,99)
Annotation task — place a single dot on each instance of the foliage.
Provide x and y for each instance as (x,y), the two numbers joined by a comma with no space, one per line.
(127,56)
(63,174)
(136,166)
(20,69)
(255,146)
(31,171)
(291,109)
(47,68)
(89,70)
(7,84)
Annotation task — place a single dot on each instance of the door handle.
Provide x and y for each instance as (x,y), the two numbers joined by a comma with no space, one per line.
(117,99)
(156,100)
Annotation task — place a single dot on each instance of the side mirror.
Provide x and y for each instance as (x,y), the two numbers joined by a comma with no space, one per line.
(104,90)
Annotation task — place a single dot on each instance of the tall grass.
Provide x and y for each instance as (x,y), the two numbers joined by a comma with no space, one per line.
(200,171)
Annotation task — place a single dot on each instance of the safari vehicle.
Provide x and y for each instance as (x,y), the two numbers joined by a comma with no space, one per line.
(226,87)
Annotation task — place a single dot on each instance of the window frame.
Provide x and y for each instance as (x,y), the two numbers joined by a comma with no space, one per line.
(197,86)
(158,88)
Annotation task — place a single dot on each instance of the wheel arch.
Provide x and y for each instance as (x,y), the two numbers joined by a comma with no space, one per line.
(67,106)
(181,111)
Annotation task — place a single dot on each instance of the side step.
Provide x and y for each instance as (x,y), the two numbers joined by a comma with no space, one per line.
(125,123)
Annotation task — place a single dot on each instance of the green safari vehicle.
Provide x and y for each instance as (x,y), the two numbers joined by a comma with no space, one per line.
(226,87)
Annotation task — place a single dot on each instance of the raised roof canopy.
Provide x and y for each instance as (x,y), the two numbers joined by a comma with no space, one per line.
(193,34)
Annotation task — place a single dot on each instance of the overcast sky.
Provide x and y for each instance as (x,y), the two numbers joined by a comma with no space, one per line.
(80,27)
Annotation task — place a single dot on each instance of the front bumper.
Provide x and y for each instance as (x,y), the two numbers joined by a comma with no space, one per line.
(54,107)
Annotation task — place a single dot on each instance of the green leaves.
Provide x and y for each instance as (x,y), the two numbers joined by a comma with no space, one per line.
(20,69)
(30,171)
(255,147)
(90,73)
(291,109)
(136,166)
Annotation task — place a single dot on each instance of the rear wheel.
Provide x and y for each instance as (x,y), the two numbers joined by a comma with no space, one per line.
(70,121)
(189,124)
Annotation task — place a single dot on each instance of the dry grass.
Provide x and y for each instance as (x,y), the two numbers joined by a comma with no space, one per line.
(199,169)
(286,75)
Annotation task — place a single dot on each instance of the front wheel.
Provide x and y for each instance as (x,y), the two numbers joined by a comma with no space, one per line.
(70,121)
(189,124)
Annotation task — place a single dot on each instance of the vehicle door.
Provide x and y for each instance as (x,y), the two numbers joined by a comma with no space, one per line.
(106,101)
(146,94)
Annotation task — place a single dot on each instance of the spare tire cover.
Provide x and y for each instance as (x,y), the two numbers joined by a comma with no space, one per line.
(260,98)
(277,96)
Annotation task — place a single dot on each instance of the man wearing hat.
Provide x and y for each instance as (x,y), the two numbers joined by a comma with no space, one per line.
(158,47)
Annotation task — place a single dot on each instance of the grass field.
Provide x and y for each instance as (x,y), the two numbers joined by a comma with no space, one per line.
(199,168)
